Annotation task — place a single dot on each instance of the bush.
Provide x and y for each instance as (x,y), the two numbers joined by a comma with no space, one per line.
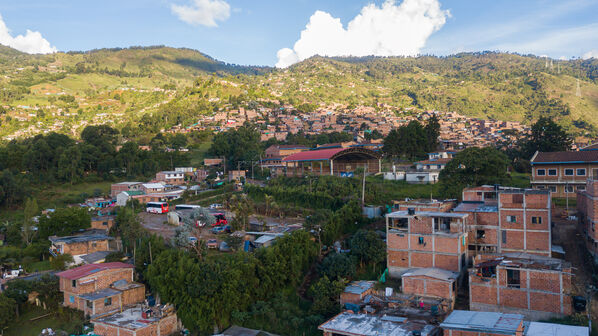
(115,256)
(61,261)
(337,266)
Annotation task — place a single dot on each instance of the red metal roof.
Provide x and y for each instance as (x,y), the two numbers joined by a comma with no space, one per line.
(85,270)
(314,155)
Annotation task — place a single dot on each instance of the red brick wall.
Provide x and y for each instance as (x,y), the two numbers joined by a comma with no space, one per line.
(85,247)
(425,286)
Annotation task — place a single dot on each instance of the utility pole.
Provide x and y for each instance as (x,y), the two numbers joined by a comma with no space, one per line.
(365,169)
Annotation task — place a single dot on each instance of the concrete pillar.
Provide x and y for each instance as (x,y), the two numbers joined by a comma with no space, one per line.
(331,167)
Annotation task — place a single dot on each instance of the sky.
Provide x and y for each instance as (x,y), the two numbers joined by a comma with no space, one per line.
(275,32)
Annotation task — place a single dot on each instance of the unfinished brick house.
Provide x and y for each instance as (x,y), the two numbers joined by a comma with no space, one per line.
(424,240)
(425,205)
(506,220)
(431,283)
(138,321)
(98,289)
(103,222)
(82,244)
(356,291)
(587,214)
(535,286)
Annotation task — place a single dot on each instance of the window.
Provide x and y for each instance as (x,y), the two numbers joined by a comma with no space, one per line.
(480,234)
(504,237)
(569,172)
(581,187)
(536,220)
(513,278)
(541,187)
(421,240)
(512,219)
(105,223)
(551,172)
(71,299)
(581,172)
(74,283)
(94,244)
(442,224)
(89,304)
(107,301)
(402,223)
(552,189)
(569,189)
(540,172)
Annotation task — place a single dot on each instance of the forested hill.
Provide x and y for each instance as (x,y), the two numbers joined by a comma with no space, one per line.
(157,87)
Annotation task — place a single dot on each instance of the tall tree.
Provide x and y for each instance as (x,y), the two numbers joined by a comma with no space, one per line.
(473,167)
(27,231)
(63,222)
(546,136)
(368,247)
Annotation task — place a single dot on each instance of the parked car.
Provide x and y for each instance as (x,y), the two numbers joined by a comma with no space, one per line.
(221,229)
(215,206)
(212,244)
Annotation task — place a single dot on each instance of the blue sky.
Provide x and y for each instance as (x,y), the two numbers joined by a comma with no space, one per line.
(253,31)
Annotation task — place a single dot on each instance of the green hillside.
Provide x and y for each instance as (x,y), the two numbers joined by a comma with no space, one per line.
(152,88)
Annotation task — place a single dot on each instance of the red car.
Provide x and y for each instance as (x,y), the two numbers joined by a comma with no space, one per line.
(220,219)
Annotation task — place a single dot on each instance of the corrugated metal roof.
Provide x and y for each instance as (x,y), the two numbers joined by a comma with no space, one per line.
(314,155)
(552,329)
(359,287)
(85,270)
(483,322)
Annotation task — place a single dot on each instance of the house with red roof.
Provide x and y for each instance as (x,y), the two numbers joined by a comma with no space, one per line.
(99,289)
(337,161)
(564,173)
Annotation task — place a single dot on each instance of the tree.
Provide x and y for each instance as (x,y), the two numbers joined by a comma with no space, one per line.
(473,167)
(545,136)
(8,308)
(64,222)
(61,261)
(242,144)
(27,230)
(368,247)
(325,294)
(127,227)
(337,266)
(190,228)
(243,208)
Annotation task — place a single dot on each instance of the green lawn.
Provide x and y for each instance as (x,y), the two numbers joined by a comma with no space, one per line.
(39,266)
(23,326)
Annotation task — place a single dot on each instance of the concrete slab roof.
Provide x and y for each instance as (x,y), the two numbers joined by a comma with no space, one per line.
(99,294)
(436,273)
(361,324)
(405,214)
(359,287)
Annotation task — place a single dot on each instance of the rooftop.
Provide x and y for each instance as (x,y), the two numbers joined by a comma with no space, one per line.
(483,321)
(85,270)
(405,214)
(475,207)
(153,185)
(99,294)
(436,273)
(565,157)
(359,287)
(80,238)
(371,325)
(525,260)
(314,155)
(130,319)
(552,329)
(95,257)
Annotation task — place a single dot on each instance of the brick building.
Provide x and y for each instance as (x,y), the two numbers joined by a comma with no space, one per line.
(98,289)
(356,291)
(587,214)
(117,188)
(138,321)
(474,323)
(424,240)
(563,173)
(171,177)
(332,161)
(103,222)
(431,283)
(425,205)
(535,286)
(81,244)
(507,220)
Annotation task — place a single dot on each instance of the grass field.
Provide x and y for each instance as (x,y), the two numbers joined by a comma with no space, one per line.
(24,326)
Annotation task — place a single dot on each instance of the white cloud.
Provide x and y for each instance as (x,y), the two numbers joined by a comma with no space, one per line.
(389,30)
(203,12)
(590,54)
(32,42)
